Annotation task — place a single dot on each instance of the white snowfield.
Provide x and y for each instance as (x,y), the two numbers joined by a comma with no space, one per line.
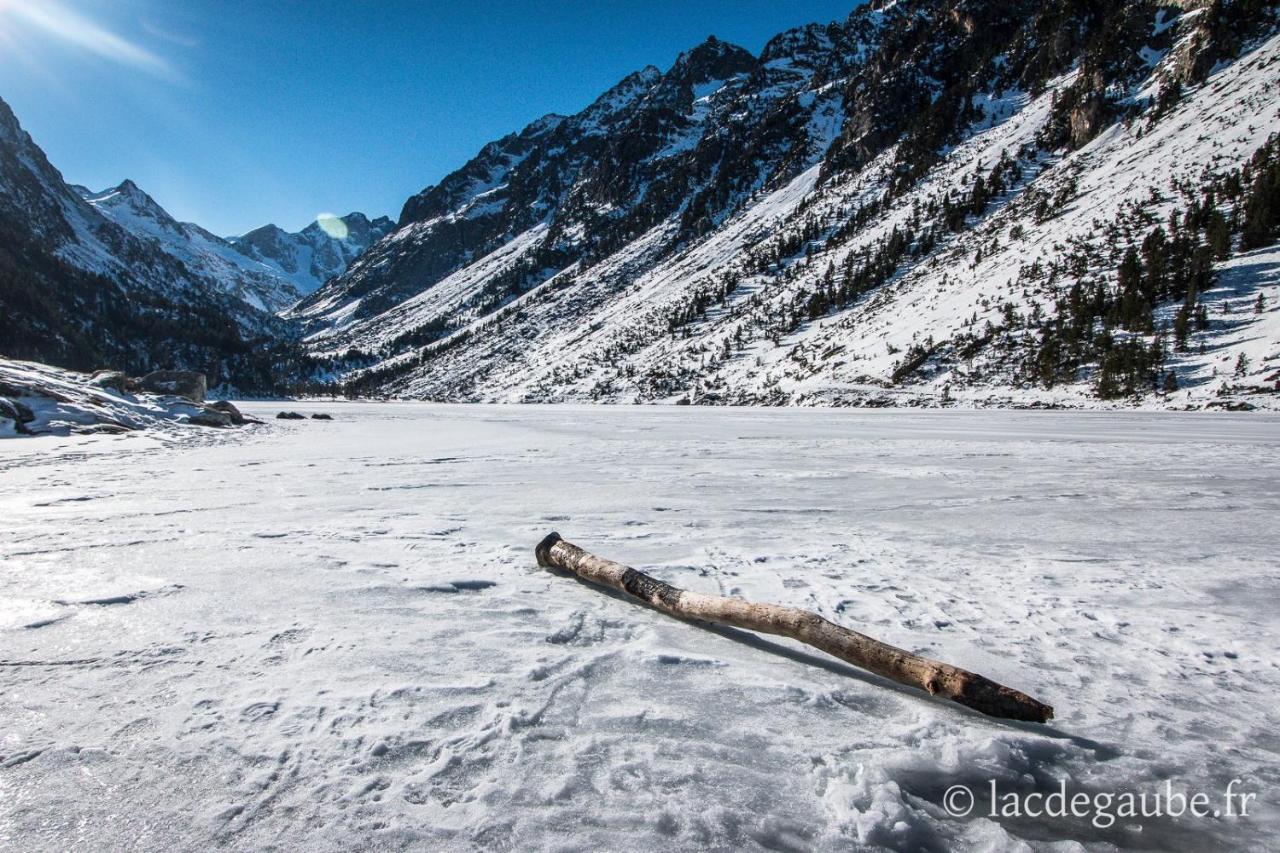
(334,636)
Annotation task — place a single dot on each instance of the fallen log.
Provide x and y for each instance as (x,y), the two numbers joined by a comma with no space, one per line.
(936,678)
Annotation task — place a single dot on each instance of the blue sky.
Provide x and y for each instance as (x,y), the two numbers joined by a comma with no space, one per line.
(233,113)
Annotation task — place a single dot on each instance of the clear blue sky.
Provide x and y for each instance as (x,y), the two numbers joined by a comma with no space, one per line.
(234,113)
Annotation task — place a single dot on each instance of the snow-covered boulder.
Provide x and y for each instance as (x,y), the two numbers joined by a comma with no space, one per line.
(210,417)
(37,399)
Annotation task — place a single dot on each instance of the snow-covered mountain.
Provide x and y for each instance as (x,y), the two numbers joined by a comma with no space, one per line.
(109,278)
(310,257)
(115,282)
(202,253)
(992,203)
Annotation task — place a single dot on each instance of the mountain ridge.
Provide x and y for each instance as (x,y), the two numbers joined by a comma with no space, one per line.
(927,203)
(686,243)
(198,249)
(310,257)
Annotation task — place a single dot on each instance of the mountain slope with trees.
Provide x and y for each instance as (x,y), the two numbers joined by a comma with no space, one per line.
(927,202)
(109,279)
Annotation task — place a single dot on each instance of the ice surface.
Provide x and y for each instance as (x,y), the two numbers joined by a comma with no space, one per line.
(329,635)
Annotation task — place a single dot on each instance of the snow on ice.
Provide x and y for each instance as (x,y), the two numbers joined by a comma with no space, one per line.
(329,635)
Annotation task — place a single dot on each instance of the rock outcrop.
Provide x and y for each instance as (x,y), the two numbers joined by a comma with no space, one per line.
(181,383)
(36,399)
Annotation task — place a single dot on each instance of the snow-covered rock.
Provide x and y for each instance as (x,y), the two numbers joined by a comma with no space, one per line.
(36,399)
(180,383)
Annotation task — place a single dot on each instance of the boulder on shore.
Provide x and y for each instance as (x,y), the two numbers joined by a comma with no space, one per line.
(210,418)
(321,416)
(16,410)
(290,416)
(182,383)
(226,406)
(39,399)
(113,379)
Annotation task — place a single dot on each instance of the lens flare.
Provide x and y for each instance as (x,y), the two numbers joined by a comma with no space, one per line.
(332,225)
(20,20)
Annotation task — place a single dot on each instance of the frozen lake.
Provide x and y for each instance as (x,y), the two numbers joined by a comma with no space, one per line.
(334,635)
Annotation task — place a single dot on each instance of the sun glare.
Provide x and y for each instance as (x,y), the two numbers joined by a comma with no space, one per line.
(332,225)
(20,21)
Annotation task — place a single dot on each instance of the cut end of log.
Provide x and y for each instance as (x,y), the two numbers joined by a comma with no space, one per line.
(543,551)
(996,700)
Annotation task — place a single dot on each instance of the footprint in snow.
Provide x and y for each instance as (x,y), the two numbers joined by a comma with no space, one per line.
(124,598)
(458,586)
(259,712)
(288,636)
(45,623)
(76,499)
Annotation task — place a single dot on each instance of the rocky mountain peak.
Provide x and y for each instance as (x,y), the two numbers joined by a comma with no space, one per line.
(712,60)
(129,196)
(315,254)
(10,130)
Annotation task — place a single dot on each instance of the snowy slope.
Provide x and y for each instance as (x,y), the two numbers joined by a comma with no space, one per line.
(603,293)
(682,143)
(199,251)
(378,663)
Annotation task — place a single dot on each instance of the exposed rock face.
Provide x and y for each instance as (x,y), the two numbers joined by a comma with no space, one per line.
(230,410)
(211,417)
(1087,120)
(113,379)
(182,383)
(16,411)
(580,186)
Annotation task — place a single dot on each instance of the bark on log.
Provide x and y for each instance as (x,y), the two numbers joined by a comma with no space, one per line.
(934,677)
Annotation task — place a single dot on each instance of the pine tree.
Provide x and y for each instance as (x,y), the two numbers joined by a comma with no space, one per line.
(1218,233)
(1261,205)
